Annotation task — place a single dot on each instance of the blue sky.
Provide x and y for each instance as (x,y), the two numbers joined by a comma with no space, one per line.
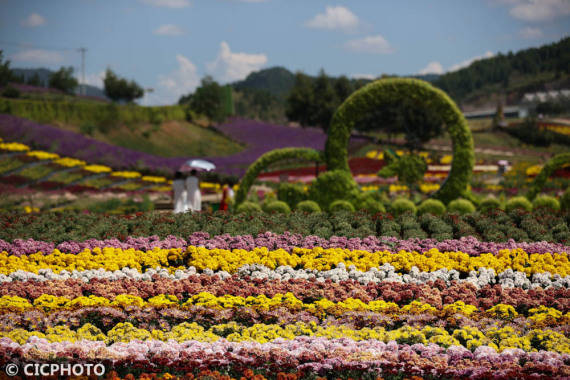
(169,45)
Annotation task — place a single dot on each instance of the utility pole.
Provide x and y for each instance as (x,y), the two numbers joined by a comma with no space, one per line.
(82,51)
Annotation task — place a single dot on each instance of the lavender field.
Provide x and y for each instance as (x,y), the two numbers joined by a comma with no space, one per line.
(258,137)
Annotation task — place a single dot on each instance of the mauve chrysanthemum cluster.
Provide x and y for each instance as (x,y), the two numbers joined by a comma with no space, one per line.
(286,241)
(309,354)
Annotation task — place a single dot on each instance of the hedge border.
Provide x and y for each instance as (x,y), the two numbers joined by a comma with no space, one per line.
(269,158)
(424,95)
(550,167)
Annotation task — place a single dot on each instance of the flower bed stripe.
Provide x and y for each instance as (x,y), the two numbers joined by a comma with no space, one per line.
(435,293)
(468,336)
(286,241)
(306,354)
(321,308)
(310,259)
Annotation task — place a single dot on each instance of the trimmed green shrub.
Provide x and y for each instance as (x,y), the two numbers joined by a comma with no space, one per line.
(395,90)
(269,158)
(461,206)
(291,193)
(431,206)
(333,185)
(341,205)
(565,201)
(547,202)
(550,167)
(248,207)
(368,201)
(277,207)
(489,203)
(518,202)
(402,205)
(308,206)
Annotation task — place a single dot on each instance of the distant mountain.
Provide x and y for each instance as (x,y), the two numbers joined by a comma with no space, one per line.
(530,70)
(278,81)
(44,75)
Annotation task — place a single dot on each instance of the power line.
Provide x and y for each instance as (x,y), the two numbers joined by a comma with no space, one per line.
(82,50)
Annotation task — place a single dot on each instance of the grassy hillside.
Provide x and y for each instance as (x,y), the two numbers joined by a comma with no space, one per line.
(161,131)
(530,70)
(175,138)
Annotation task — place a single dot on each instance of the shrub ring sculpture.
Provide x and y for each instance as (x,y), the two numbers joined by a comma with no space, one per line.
(269,158)
(385,91)
(554,163)
(422,94)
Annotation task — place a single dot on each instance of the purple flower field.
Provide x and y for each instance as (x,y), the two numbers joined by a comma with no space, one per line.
(258,137)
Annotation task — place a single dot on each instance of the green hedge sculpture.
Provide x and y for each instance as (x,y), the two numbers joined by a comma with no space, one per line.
(423,94)
(554,163)
(269,158)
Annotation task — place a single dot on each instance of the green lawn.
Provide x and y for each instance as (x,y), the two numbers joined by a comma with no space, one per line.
(170,139)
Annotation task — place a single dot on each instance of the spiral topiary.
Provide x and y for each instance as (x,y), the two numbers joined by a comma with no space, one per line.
(461,206)
(402,205)
(519,202)
(308,206)
(431,206)
(394,90)
(547,202)
(341,205)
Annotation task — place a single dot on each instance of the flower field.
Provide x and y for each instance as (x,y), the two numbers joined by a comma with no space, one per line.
(286,305)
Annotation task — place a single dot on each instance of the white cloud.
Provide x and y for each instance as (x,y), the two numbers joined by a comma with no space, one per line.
(432,68)
(229,66)
(169,30)
(370,44)
(33,20)
(538,10)
(37,56)
(531,33)
(334,18)
(364,76)
(469,61)
(183,80)
(94,79)
(168,3)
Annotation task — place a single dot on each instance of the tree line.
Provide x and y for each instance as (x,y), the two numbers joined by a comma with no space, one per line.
(500,69)
(116,88)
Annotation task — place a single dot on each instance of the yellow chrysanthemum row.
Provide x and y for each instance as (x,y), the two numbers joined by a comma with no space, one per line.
(326,259)
(107,258)
(538,316)
(470,337)
(41,155)
(307,258)
(126,174)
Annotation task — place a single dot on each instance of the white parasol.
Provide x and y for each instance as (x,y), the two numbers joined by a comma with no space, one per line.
(200,165)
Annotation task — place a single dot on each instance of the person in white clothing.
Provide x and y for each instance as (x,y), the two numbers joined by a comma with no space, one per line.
(193,189)
(180,193)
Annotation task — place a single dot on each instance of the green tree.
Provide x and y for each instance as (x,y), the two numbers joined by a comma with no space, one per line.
(120,89)
(63,80)
(326,101)
(35,80)
(208,99)
(6,74)
(300,102)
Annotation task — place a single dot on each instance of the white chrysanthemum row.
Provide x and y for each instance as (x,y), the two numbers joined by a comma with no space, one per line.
(384,273)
